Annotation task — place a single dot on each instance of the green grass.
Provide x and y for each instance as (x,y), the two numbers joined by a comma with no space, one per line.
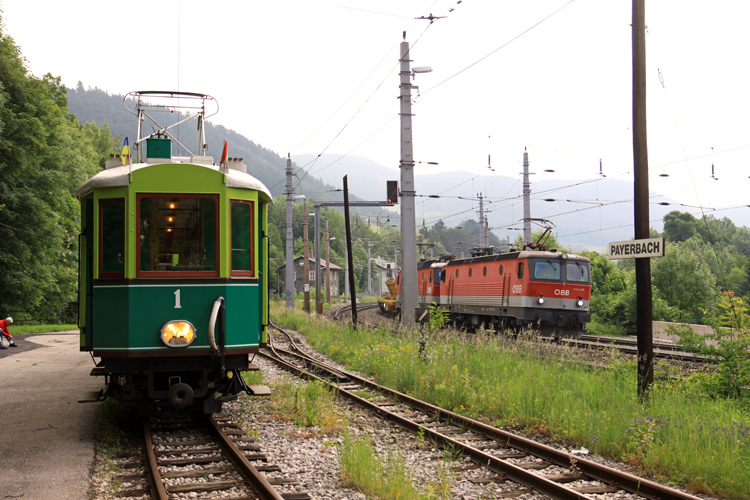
(386,477)
(679,434)
(308,405)
(25,329)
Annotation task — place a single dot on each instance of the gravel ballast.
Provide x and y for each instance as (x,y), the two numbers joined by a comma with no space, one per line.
(310,458)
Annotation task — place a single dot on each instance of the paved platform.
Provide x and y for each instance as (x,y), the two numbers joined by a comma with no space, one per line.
(46,436)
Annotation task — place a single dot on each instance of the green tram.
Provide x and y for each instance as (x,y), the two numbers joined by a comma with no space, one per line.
(173,268)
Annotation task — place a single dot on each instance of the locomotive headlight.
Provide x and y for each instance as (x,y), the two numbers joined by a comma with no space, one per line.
(541,299)
(178,333)
(579,303)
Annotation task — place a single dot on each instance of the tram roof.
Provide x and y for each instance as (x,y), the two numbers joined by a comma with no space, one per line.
(120,176)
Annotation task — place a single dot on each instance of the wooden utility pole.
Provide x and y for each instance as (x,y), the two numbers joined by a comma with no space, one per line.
(306,266)
(644,314)
(350,260)
(328,266)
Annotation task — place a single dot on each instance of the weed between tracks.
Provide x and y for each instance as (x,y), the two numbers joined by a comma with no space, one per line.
(308,405)
(389,477)
(680,434)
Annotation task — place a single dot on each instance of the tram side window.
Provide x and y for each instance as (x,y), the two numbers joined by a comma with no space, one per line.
(242,237)
(576,271)
(544,270)
(111,238)
(178,234)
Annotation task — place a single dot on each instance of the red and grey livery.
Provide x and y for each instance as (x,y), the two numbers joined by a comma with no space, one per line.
(544,290)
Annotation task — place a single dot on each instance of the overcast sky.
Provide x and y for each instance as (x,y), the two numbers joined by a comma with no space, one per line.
(552,76)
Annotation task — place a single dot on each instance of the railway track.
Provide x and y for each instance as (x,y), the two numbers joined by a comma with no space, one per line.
(347,310)
(500,456)
(628,342)
(185,454)
(663,350)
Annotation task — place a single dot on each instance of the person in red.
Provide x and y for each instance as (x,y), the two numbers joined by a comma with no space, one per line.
(6,333)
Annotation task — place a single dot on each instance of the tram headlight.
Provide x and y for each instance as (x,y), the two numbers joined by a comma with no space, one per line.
(180,333)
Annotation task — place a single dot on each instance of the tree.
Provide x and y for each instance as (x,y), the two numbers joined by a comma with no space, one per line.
(741,241)
(717,231)
(679,226)
(684,283)
(44,156)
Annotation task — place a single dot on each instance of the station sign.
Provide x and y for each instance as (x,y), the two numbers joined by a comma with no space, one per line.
(636,249)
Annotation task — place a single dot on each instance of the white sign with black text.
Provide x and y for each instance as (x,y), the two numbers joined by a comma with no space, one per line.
(635,249)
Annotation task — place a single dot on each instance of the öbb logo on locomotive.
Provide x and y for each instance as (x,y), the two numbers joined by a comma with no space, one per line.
(174,258)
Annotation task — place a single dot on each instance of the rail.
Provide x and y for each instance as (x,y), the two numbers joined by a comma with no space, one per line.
(350,385)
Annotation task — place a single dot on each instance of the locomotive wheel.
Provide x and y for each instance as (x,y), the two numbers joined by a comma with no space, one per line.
(180,395)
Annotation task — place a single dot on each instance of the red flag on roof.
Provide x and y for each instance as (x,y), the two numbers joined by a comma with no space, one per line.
(224,154)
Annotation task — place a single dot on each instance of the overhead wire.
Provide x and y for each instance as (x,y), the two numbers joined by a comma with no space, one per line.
(390,50)
(697,197)
(499,48)
(356,8)
(366,101)
(551,190)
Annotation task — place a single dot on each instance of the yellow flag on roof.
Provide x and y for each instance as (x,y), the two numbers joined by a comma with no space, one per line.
(125,151)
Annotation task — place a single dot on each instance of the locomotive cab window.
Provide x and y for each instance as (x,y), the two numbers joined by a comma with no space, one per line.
(111,238)
(577,271)
(546,270)
(501,270)
(520,270)
(178,235)
(242,238)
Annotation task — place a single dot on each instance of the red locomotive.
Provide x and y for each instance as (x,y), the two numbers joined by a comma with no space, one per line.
(545,290)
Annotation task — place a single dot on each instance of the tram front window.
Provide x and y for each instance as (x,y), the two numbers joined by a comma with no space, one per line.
(178,234)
